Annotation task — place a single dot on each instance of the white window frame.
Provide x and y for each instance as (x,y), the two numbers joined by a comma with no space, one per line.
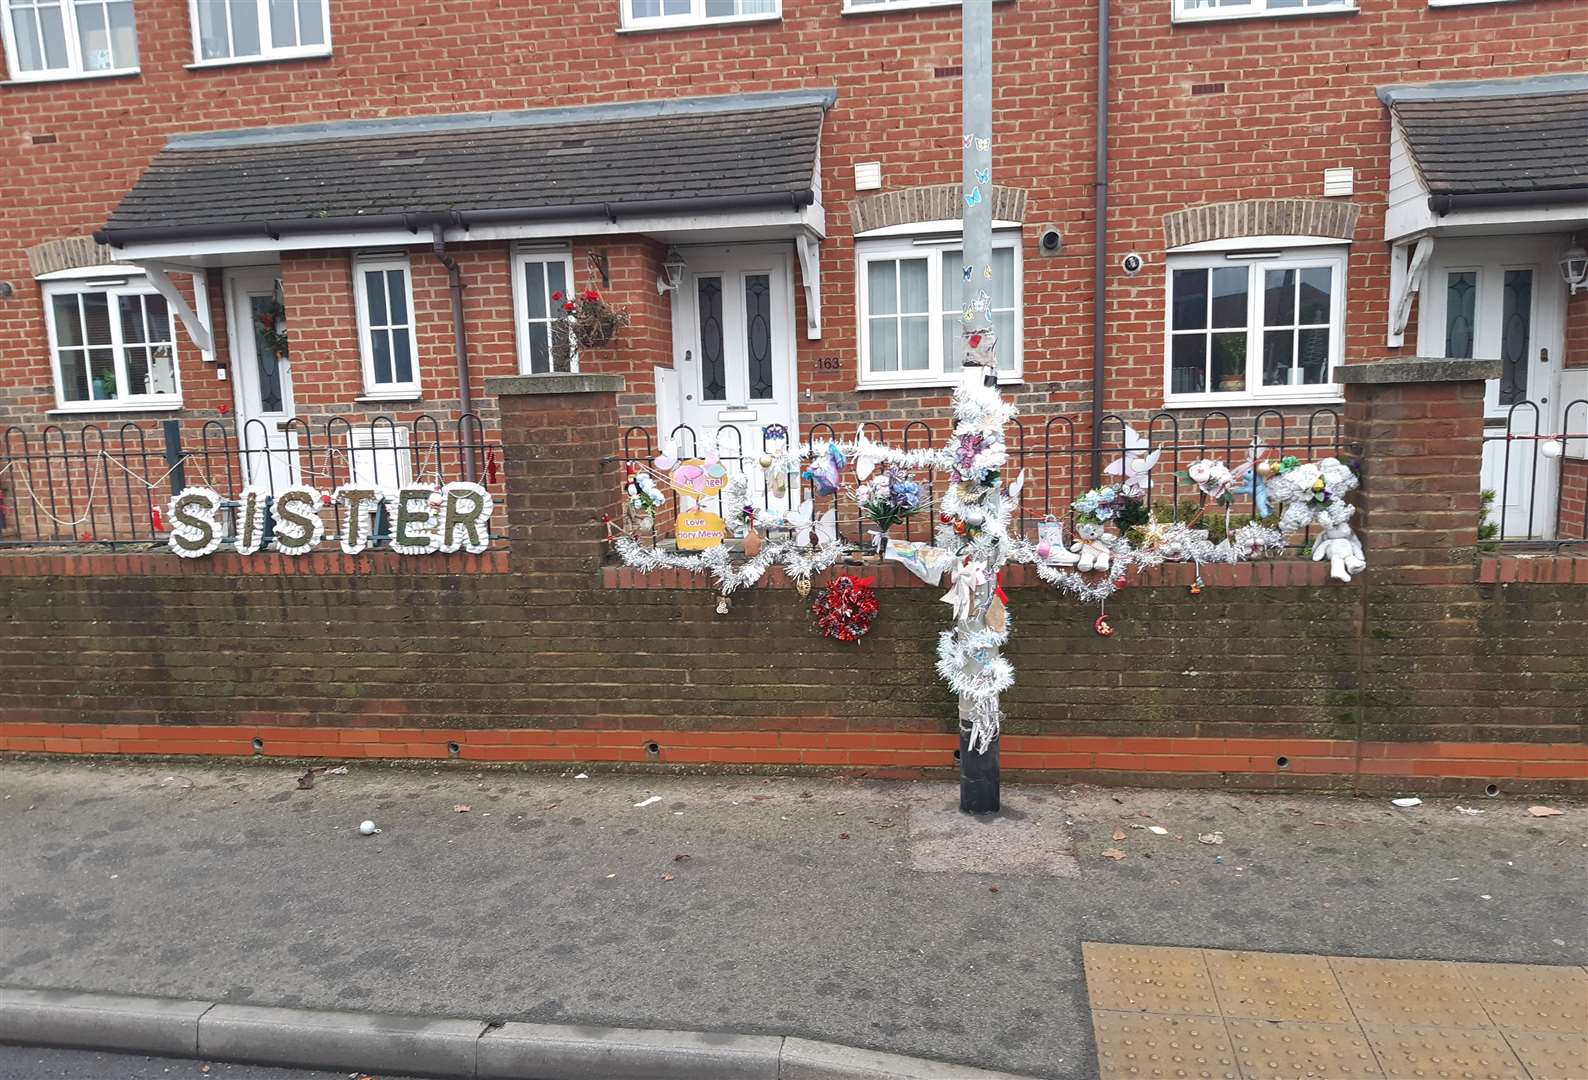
(521,329)
(931,244)
(114,285)
(1255,9)
(1337,257)
(74,48)
(392,391)
(267,50)
(851,7)
(696,17)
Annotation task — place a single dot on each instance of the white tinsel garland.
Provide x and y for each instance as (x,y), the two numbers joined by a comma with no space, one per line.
(718,561)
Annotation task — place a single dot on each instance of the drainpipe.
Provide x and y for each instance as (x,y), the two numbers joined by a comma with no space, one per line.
(1099,243)
(461,342)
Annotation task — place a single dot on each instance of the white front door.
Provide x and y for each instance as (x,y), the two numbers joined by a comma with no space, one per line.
(733,347)
(1502,298)
(263,380)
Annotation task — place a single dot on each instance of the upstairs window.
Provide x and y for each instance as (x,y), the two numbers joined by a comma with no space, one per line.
(113,343)
(64,39)
(1252,328)
(1201,10)
(662,14)
(386,327)
(228,31)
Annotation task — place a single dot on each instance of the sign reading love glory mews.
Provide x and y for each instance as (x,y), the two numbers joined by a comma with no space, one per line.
(423,520)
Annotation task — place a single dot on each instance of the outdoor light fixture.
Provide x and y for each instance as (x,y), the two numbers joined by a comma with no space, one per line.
(1574,267)
(672,276)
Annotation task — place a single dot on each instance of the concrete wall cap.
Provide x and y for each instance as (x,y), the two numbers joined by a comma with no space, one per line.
(1421,369)
(559,383)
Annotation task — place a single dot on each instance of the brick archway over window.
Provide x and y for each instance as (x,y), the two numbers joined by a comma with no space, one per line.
(68,253)
(1260,217)
(940,202)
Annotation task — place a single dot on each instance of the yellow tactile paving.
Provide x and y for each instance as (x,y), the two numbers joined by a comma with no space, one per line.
(1531,997)
(1548,1055)
(1444,1053)
(1276,986)
(1200,1014)
(1282,1050)
(1143,1046)
(1430,993)
(1145,978)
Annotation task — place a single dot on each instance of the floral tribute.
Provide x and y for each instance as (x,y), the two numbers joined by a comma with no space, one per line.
(845,608)
(1117,534)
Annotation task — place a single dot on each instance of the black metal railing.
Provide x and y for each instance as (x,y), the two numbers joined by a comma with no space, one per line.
(1535,477)
(1058,462)
(97,486)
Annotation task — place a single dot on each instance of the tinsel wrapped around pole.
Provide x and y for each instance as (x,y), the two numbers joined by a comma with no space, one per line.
(979,715)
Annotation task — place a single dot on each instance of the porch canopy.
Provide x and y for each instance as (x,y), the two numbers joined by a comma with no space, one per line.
(741,167)
(1486,157)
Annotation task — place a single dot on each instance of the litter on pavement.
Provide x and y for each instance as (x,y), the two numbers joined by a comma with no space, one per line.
(1407,802)
(1544,811)
(647,802)
(367,828)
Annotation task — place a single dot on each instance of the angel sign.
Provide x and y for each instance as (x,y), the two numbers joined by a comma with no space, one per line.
(1132,468)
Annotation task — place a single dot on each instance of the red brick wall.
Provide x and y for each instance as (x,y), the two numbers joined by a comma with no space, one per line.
(1297,96)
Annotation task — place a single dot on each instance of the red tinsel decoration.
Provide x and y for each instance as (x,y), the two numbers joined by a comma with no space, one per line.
(845,609)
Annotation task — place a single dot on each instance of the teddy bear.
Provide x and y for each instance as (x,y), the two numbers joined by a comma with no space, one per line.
(1092,547)
(1340,546)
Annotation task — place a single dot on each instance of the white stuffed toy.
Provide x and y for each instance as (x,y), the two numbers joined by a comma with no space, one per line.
(1313,494)
(1092,547)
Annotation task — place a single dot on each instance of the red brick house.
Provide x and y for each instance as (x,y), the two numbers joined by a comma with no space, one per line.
(769,188)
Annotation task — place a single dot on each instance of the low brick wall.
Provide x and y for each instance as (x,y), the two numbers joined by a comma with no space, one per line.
(1434,670)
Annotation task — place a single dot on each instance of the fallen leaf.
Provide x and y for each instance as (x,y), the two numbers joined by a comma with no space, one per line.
(839,813)
(1119,834)
(762,798)
(843,836)
(1113,853)
(461,808)
(992,888)
(1544,811)
(1157,830)
(680,858)
(551,806)
(667,877)
(306,781)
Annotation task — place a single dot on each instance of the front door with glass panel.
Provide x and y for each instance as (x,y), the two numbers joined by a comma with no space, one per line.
(1501,298)
(734,348)
(257,319)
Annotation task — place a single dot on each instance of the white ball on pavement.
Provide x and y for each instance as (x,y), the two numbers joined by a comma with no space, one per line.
(367,828)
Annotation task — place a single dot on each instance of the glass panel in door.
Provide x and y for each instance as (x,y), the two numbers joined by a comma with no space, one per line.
(758,335)
(1516,324)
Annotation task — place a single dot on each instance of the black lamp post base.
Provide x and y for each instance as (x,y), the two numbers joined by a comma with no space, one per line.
(978,778)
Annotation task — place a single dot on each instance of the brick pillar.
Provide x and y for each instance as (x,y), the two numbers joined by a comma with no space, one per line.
(559,455)
(1420,425)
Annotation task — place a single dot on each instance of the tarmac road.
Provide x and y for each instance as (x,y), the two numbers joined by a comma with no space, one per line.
(865,913)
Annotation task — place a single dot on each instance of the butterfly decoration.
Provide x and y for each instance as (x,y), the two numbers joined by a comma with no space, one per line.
(973,197)
(866,457)
(1017,487)
(986,272)
(824,529)
(984,145)
(668,457)
(1132,468)
(825,470)
(969,270)
(968,139)
(983,176)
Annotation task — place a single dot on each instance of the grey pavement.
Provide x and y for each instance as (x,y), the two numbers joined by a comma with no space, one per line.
(28,1063)
(864,913)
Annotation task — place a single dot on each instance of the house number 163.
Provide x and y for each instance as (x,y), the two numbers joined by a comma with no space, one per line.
(828,363)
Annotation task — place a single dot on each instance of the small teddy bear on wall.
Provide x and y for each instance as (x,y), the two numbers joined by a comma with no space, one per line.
(1092,547)
(1314,494)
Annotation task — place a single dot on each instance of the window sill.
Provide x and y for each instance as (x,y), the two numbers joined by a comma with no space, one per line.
(701,24)
(900,5)
(930,382)
(1334,396)
(395,395)
(236,61)
(89,408)
(72,76)
(1249,16)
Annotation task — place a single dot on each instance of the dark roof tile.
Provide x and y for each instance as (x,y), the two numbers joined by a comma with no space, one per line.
(1491,144)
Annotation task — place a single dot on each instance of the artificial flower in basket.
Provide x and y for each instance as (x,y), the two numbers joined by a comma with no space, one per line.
(587,322)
